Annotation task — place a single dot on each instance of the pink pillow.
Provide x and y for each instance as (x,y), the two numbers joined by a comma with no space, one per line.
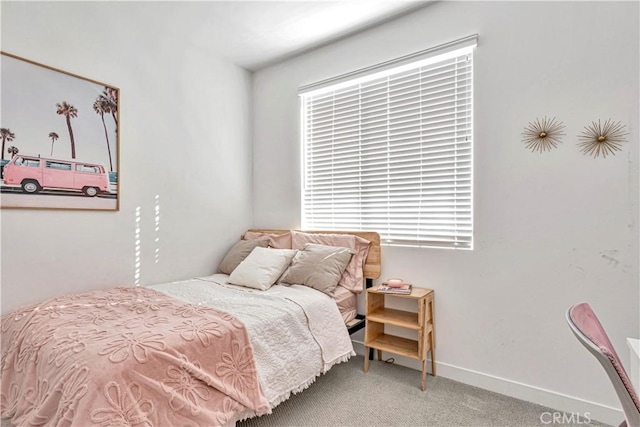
(353,276)
(276,241)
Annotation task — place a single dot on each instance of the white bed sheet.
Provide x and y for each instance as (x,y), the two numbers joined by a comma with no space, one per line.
(297,333)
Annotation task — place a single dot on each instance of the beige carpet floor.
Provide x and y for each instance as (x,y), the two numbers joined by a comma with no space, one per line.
(389,395)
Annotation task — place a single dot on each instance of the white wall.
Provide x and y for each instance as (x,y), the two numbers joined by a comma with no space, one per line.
(185,137)
(551,229)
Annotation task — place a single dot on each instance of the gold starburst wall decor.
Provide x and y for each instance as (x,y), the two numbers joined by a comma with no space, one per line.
(597,139)
(543,134)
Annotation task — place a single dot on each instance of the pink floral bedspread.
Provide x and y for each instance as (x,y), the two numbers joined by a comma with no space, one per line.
(126,357)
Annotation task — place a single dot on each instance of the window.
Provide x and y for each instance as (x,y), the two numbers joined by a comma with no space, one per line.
(87,168)
(391,151)
(58,166)
(20,161)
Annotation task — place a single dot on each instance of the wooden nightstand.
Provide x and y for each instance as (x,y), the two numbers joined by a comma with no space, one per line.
(422,322)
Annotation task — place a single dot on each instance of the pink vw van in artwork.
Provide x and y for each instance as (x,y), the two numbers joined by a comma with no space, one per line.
(37,173)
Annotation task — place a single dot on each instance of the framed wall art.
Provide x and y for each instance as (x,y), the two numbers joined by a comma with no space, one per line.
(60,140)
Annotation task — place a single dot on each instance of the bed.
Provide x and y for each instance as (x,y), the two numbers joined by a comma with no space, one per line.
(203,351)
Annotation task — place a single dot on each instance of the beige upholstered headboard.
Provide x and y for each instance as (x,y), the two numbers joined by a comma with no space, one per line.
(372,264)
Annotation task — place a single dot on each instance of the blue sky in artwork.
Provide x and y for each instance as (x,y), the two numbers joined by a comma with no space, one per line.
(28,108)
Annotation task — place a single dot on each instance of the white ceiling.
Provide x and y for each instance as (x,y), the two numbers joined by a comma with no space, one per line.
(254,34)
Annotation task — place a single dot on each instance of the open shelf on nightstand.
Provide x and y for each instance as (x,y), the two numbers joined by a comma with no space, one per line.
(391,316)
(393,344)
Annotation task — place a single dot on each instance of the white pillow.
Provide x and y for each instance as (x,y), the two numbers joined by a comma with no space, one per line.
(262,267)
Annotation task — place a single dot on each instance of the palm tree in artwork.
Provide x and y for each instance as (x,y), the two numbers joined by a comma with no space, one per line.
(110,98)
(101,106)
(53,137)
(68,111)
(6,135)
(12,150)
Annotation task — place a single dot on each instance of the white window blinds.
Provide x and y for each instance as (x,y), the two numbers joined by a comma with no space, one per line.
(392,152)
